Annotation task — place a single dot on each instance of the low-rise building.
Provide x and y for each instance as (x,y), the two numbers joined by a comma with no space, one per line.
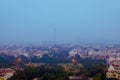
(6,73)
(113,68)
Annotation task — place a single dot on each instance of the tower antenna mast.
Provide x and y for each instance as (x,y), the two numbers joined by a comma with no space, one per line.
(55,36)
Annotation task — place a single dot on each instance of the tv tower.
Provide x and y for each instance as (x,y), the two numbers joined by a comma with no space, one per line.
(55,35)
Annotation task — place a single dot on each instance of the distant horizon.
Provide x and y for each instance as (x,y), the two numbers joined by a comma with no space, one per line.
(59,43)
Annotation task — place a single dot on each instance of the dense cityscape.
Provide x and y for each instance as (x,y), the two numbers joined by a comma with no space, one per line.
(60,62)
(59,39)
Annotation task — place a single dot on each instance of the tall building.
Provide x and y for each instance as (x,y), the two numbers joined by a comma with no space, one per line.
(113,64)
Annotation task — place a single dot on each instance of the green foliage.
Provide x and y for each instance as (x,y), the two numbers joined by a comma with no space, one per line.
(53,72)
(57,58)
(97,76)
(112,79)
(93,67)
(6,61)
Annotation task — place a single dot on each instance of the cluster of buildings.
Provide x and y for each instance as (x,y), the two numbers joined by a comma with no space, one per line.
(84,51)
(90,52)
(6,73)
(21,50)
(113,66)
(30,50)
(110,53)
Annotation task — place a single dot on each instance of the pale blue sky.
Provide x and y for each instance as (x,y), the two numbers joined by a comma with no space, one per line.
(74,20)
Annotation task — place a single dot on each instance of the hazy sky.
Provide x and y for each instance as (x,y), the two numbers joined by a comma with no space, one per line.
(74,20)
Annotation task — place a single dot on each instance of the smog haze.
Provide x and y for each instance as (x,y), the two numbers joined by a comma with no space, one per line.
(67,20)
